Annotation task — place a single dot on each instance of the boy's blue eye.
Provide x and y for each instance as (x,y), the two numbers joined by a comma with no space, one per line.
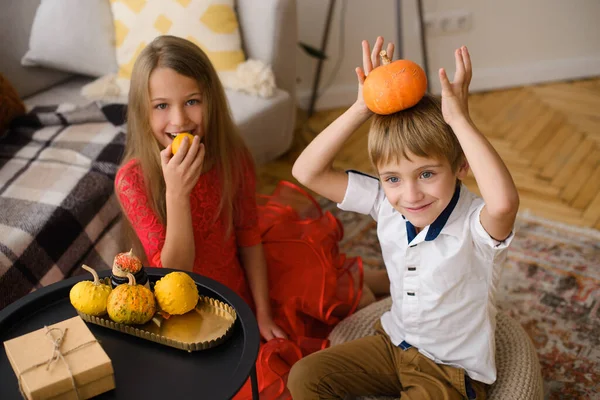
(426,175)
(393,179)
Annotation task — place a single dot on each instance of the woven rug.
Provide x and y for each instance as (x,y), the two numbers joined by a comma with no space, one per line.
(550,284)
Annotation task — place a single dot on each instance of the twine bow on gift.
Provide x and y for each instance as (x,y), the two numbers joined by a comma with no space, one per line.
(56,355)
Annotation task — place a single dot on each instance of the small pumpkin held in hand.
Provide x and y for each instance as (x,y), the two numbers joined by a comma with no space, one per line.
(131,303)
(90,297)
(394,86)
(178,139)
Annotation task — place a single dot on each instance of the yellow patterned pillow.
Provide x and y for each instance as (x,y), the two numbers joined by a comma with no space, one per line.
(210,24)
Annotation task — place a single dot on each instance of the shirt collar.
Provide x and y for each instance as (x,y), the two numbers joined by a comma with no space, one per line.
(436,226)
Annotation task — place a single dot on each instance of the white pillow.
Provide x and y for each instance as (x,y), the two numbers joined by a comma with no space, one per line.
(73,35)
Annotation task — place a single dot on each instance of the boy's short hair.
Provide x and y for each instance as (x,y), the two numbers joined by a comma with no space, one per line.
(420,130)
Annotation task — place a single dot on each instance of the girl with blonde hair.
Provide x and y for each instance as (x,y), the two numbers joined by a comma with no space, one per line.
(196,210)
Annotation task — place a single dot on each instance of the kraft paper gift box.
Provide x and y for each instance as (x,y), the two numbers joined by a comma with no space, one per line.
(74,367)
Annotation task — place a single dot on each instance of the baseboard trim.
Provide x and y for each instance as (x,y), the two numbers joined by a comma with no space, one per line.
(485,79)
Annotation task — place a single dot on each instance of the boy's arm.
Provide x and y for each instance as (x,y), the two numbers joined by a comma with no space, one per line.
(314,167)
(493,178)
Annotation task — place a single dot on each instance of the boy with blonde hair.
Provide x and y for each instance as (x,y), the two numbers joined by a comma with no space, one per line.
(442,245)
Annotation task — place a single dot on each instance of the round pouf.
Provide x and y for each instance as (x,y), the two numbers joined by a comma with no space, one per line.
(518,369)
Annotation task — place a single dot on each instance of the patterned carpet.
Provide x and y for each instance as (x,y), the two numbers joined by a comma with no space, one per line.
(550,284)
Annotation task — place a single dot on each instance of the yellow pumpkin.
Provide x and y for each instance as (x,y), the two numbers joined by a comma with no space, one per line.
(131,303)
(394,86)
(176,293)
(90,297)
(178,139)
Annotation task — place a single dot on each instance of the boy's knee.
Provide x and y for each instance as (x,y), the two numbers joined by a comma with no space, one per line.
(304,378)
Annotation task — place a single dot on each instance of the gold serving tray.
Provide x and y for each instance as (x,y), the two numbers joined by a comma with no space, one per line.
(206,326)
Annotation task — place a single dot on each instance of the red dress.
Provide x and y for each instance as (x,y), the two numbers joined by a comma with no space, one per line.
(311,285)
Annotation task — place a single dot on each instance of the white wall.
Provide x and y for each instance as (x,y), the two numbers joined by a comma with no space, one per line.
(512,42)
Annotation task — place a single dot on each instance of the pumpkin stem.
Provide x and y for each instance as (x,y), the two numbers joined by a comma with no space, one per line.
(94,273)
(131,279)
(384,57)
(130,252)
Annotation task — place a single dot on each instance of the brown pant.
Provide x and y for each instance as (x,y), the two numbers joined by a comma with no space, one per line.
(373,365)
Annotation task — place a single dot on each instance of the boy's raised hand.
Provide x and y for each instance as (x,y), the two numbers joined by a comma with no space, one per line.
(455,95)
(371,60)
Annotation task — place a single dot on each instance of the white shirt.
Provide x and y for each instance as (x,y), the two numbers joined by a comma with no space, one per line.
(443,280)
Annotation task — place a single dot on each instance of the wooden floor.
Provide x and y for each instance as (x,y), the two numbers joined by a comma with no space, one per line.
(548,135)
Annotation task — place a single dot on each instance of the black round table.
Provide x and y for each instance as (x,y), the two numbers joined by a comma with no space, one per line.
(144,369)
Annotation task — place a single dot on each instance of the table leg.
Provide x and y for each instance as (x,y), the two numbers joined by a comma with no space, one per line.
(254,382)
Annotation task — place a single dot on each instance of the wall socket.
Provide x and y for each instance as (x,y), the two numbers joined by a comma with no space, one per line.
(448,23)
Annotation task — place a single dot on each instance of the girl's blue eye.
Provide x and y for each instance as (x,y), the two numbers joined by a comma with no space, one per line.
(192,102)
(427,175)
(161,106)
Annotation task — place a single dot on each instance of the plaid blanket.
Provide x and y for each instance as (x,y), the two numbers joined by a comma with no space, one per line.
(57,204)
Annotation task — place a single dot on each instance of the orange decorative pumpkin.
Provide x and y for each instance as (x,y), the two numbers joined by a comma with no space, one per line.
(126,262)
(394,86)
(131,303)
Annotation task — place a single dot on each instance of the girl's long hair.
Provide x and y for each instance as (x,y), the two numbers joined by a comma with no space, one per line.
(225,149)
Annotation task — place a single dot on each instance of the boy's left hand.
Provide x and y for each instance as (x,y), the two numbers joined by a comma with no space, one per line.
(455,95)
(269,329)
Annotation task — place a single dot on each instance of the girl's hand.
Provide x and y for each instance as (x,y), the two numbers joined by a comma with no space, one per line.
(269,329)
(371,60)
(455,95)
(182,170)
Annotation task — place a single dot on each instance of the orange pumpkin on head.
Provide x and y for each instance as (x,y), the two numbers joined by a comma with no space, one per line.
(394,86)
